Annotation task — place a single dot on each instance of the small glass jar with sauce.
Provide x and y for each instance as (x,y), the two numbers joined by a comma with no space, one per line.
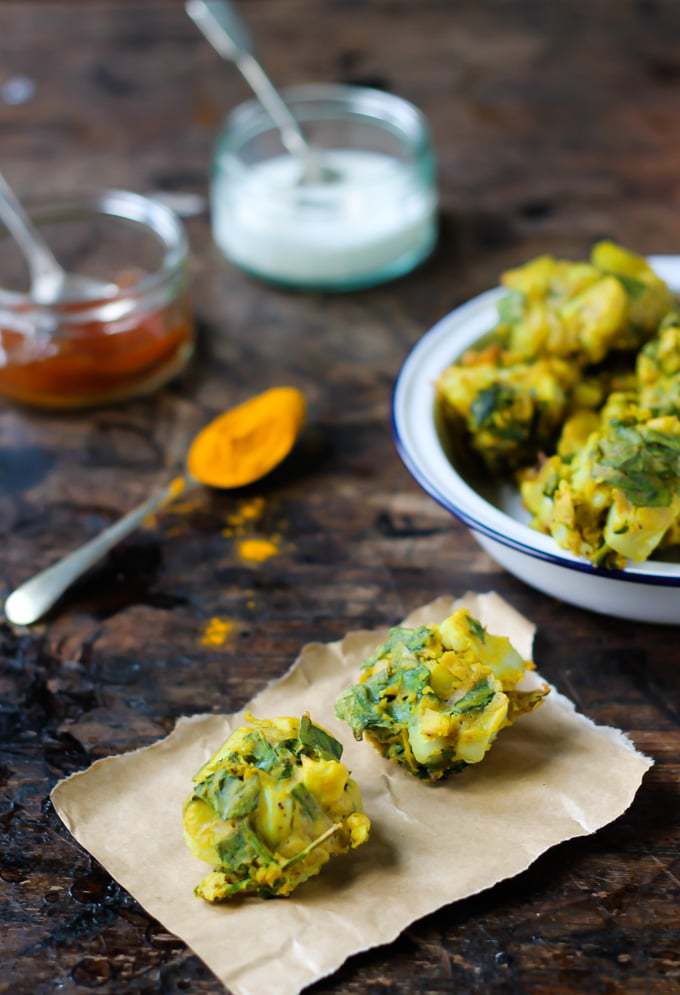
(80,353)
(375,220)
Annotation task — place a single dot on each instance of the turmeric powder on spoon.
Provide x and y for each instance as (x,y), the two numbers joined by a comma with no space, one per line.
(247,442)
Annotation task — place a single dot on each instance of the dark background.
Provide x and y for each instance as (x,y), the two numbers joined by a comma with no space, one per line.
(555,123)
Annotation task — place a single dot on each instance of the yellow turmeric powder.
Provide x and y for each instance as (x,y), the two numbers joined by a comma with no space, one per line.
(247,511)
(257,550)
(247,442)
(245,515)
(216,631)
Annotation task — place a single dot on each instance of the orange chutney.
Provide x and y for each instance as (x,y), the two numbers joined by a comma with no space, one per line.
(85,359)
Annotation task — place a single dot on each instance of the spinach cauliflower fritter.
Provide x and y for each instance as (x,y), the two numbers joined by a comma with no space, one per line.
(507,407)
(270,808)
(433,699)
(612,491)
(554,379)
(658,370)
(557,319)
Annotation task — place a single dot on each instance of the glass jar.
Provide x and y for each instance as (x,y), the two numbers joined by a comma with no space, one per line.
(375,221)
(78,353)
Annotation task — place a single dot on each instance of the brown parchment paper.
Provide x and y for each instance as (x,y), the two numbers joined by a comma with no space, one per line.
(553,776)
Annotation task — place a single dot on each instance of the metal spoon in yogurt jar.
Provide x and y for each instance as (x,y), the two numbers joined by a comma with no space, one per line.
(223,27)
(50,283)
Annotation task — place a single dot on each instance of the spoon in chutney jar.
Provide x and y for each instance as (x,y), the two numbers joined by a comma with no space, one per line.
(50,282)
(237,448)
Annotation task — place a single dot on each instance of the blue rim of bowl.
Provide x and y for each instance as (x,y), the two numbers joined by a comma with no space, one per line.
(475,524)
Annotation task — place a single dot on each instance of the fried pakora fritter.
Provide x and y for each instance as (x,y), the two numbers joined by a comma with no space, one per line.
(612,491)
(434,698)
(270,808)
(658,369)
(507,410)
(557,319)
(581,311)
(554,378)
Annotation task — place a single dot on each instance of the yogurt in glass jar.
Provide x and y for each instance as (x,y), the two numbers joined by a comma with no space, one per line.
(373,220)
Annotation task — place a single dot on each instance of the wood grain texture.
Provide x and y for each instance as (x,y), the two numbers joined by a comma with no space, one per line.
(555,123)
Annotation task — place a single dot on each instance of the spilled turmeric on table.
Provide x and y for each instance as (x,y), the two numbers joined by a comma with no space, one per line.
(251,548)
(247,442)
(247,511)
(244,517)
(216,631)
(258,550)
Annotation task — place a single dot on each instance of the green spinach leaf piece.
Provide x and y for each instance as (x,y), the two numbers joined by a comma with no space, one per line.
(307,802)
(634,288)
(229,797)
(476,628)
(642,463)
(241,849)
(475,700)
(356,707)
(490,400)
(318,741)
(412,640)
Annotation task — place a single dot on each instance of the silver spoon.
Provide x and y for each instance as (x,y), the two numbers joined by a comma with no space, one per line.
(222,26)
(50,283)
(33,599)
(36,596)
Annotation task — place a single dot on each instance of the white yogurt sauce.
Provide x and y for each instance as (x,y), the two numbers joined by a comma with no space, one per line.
(377,216)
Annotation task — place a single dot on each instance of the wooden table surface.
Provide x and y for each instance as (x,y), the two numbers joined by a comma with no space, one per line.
(555,123)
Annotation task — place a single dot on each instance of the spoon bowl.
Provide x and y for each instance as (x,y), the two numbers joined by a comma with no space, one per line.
(62,288)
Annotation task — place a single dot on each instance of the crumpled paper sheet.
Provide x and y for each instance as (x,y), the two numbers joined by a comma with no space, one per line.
(553,776)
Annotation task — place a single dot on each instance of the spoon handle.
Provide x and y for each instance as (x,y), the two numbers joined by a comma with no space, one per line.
(291,135)
(38,255)
(222,26)
(36,596)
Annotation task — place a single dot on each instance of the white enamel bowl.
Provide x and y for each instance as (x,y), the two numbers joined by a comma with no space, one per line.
(645,592)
